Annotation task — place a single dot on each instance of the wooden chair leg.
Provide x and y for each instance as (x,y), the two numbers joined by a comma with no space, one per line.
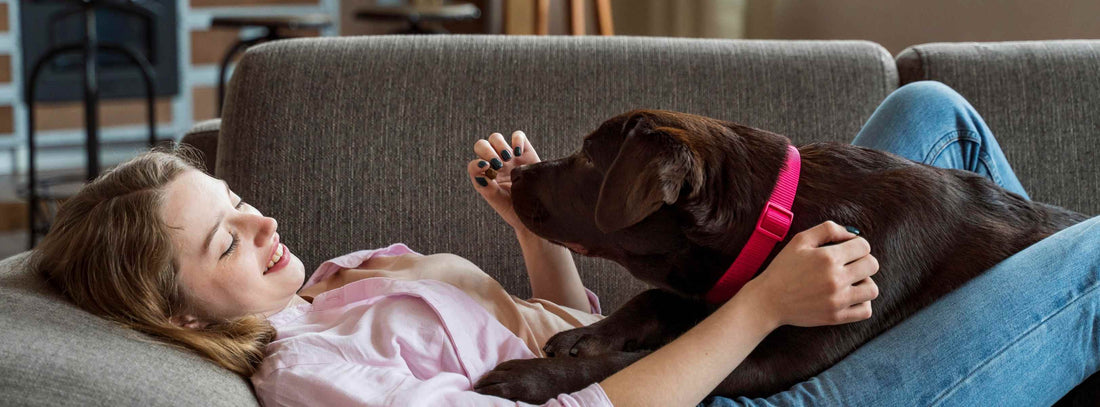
(576,16)
(603,14)
(542,17)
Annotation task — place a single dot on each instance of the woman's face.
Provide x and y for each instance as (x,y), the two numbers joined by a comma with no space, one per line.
(223,248)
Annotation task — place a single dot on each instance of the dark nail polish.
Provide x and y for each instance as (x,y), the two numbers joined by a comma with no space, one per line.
(851,230)
(481,181)
(482,164)
(518,150)
(496,164)
(505,155)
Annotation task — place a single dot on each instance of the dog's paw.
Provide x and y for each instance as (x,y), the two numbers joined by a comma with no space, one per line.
(529,380)
(583,342)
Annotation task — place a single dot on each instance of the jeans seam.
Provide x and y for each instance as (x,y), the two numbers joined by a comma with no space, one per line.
(955,386)
(994,173)
(941,144)
(955,136)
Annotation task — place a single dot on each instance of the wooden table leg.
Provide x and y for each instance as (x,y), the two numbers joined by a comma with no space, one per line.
(603,14)
(576,16)
(542,17)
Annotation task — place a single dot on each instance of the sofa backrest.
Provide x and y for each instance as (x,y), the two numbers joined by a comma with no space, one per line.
(1041,99)
(359,142)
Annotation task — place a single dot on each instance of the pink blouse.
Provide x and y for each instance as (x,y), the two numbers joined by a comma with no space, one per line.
(383,341)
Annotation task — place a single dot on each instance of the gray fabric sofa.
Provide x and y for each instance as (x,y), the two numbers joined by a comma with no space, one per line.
(356,143)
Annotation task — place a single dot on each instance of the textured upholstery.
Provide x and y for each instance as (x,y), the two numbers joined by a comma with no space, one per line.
(1039,98)
(54,354)
(204,137)
(355,143)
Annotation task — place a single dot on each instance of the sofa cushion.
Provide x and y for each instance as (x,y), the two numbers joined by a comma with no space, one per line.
(359,142)
(204,137)
(1039,98)
(54,354)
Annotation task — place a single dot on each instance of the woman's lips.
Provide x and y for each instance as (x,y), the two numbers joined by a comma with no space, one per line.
(282,260)
(274,247)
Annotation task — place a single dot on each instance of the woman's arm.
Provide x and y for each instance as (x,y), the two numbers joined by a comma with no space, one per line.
(806,285)
(552,272)
(550,268)
(699,359)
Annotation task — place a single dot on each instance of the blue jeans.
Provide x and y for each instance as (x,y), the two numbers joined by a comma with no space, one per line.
(1022,334)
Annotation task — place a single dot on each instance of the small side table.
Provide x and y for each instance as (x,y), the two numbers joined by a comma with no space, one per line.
(272,25)
(417,15)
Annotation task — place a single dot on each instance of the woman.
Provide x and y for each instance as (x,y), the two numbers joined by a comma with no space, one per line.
(165,249)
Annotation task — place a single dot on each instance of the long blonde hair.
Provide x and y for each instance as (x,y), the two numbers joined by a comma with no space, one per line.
(111,253)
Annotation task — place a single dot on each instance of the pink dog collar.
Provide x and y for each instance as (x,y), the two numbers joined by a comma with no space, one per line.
(775,220)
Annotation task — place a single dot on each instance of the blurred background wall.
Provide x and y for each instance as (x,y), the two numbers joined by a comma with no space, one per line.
(897,24)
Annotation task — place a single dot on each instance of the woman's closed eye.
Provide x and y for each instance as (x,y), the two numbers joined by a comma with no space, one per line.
(236,239)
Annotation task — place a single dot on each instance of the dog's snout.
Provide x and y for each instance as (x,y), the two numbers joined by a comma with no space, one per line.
(525,195)
(517,173)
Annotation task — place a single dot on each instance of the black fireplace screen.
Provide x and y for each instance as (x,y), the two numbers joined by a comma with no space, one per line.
(48,24)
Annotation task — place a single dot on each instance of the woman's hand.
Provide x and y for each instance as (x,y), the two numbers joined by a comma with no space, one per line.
(807,284)
(501,156)
(811,284)
(550,268)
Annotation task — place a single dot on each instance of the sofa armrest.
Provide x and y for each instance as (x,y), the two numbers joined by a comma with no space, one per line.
(204,136)
(55,353)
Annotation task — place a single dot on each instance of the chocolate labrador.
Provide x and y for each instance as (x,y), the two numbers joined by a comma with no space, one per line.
(674,197)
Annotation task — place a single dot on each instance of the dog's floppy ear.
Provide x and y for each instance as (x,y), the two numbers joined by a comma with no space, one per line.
(648,172)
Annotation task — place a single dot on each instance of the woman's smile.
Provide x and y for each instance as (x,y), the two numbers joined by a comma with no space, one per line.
(279,259)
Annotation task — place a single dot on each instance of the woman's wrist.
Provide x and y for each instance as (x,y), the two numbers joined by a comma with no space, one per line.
(528,240)
(524,234)
(700,358)
(552,274)
(755,297)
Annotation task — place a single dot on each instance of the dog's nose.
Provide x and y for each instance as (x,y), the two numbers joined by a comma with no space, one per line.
(517,173)
(525,196)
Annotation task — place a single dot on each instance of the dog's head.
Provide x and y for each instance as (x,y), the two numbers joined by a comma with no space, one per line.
(659,192)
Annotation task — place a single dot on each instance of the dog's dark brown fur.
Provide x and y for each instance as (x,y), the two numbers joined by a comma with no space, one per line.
(673,197)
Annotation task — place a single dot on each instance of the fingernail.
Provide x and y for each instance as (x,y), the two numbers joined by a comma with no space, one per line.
(518,150)
(482,164)
(852,230)
(496,164)
(505,155)
(481,181)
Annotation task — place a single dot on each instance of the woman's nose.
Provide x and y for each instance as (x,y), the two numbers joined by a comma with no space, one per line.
(265,228)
